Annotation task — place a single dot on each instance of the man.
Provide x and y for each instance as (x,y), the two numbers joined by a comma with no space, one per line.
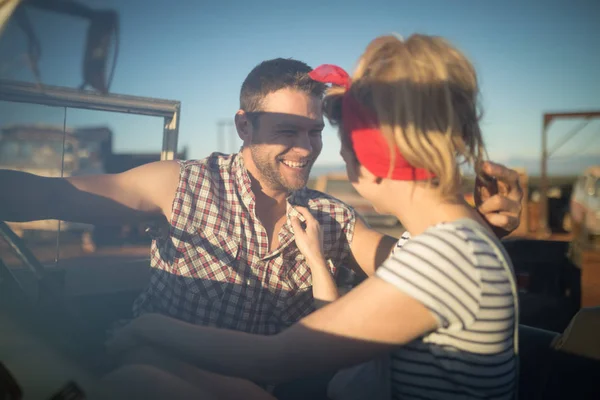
(229,258)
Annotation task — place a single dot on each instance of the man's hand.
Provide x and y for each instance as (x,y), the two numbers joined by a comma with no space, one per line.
(369,248)
(499,199)
(130,336)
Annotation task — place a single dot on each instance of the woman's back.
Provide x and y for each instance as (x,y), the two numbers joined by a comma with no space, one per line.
(462,279)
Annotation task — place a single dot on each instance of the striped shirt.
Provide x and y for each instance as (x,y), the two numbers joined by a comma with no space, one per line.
(456,274)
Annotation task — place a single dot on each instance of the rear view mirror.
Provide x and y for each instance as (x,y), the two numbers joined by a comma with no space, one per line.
(102,37)
(102,32)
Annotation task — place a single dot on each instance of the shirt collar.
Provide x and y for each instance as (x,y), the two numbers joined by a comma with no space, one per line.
(242,180)
(298,197)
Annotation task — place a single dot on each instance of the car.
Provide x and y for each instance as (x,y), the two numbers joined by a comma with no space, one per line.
(585,208)
(337,185)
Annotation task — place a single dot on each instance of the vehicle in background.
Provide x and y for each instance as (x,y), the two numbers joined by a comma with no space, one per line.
(585,208)
(337,185)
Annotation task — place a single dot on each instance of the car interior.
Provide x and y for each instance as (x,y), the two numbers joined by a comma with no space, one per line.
(54,319)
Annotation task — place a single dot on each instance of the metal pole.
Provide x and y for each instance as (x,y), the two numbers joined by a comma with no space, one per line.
(543,230)
(170,136)
(233,134)
(23,92)
(220,137)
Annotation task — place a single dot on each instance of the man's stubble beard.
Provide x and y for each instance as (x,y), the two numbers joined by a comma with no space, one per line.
(270,172)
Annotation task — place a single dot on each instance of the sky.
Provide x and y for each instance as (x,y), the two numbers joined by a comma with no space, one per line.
(530,58)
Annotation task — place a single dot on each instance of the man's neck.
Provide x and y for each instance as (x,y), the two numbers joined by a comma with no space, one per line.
(268,200)
(270,205)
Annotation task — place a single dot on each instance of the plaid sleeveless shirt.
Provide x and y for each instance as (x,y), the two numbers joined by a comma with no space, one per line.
(214,267)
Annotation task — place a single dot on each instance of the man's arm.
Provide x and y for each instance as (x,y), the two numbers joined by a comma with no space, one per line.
(500,199)
(140,193)
(369,248)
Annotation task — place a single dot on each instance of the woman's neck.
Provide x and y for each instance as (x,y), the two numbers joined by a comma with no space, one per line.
(424,208)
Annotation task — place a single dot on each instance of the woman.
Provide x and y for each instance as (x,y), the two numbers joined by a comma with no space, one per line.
(443,306)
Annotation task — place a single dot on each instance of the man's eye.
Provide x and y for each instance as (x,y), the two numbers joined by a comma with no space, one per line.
(288,132)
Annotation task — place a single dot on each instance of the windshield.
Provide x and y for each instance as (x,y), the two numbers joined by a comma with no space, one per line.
(17,153)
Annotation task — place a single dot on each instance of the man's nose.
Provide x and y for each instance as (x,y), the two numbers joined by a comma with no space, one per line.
(303,142)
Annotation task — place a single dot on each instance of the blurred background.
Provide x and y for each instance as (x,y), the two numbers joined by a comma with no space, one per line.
(103,86)
(537,63)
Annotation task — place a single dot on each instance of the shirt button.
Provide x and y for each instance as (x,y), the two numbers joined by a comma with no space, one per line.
(248,282)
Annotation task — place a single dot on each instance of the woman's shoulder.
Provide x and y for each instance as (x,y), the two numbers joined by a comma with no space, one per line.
(461,247)
(466,236)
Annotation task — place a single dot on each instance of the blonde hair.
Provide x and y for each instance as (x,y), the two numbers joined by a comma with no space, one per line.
(424,93)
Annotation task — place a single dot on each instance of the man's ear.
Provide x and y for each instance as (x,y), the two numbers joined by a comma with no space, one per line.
(243,125)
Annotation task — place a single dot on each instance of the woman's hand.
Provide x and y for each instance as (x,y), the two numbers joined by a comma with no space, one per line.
(309,240)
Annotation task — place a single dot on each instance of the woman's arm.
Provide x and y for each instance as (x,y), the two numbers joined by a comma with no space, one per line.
(367,322)
(323,286)
(310,244)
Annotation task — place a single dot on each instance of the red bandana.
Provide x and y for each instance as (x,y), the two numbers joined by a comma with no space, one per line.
(369,144)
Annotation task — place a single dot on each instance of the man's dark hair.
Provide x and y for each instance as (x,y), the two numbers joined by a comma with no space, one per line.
(272,75)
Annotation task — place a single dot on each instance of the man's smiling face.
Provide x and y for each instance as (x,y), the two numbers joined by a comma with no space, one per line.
(286,138)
